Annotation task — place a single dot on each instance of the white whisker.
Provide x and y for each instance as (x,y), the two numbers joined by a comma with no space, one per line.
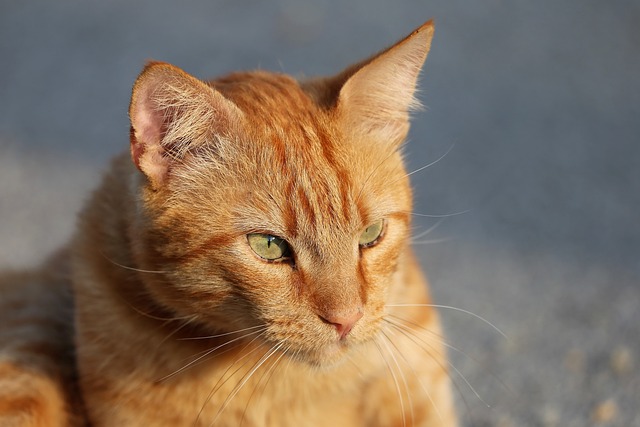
(223,334)
(452,366)
(448,307)
(268,374)
(433,162)
(425,330)
(408,326)
(222,380)
(246,378)
(427,165)
(375,169)
(402,377)
(428,230)
(126,267)
(175,331)
(395,381)
(189,318)
(207,353)
(424,388)
(440,215)
(431,241)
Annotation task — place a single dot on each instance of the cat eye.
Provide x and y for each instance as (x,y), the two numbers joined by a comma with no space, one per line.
(269,247)
(371,234)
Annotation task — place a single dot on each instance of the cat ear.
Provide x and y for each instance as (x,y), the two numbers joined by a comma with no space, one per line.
(171,114)
(378,94)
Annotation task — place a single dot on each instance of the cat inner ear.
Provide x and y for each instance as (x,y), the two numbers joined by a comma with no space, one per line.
(378,94)
(172,114)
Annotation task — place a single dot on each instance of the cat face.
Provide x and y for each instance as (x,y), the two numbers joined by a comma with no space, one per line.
(277,206)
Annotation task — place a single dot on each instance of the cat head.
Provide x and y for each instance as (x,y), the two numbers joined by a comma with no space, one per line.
(277,204)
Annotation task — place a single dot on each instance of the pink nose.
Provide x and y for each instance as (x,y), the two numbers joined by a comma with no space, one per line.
(343,322)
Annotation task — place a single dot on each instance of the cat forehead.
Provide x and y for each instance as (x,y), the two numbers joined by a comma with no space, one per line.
(285,119)
(293,150)
(303,190)
(266,96)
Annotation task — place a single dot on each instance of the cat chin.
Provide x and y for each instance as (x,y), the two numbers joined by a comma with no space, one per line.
(329,357)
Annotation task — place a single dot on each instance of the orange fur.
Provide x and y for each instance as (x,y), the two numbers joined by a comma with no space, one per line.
(179,322)
(37,373)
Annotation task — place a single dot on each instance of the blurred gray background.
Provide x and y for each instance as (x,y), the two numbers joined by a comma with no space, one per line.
(538,103)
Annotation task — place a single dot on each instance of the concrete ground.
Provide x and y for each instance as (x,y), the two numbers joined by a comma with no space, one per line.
(539,103)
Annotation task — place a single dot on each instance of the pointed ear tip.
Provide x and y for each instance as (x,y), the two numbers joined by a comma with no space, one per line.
(427,28)
(150,72)
(152,63)
(152,67)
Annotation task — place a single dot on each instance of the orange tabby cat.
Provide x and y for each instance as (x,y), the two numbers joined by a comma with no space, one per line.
(250,266)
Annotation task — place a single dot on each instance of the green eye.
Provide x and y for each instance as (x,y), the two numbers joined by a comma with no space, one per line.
(269,247)
(371,234)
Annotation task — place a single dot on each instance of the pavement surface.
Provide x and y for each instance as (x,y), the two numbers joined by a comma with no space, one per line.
(538,103)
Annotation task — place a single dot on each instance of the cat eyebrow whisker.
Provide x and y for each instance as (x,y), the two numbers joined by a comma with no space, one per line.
(427,165)
(440,215)
(414,239)
(431,241)
(371,174)
(429,230)
(461,310)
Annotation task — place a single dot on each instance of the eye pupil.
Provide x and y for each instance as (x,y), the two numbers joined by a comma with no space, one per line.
(371,234)
(268,246)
